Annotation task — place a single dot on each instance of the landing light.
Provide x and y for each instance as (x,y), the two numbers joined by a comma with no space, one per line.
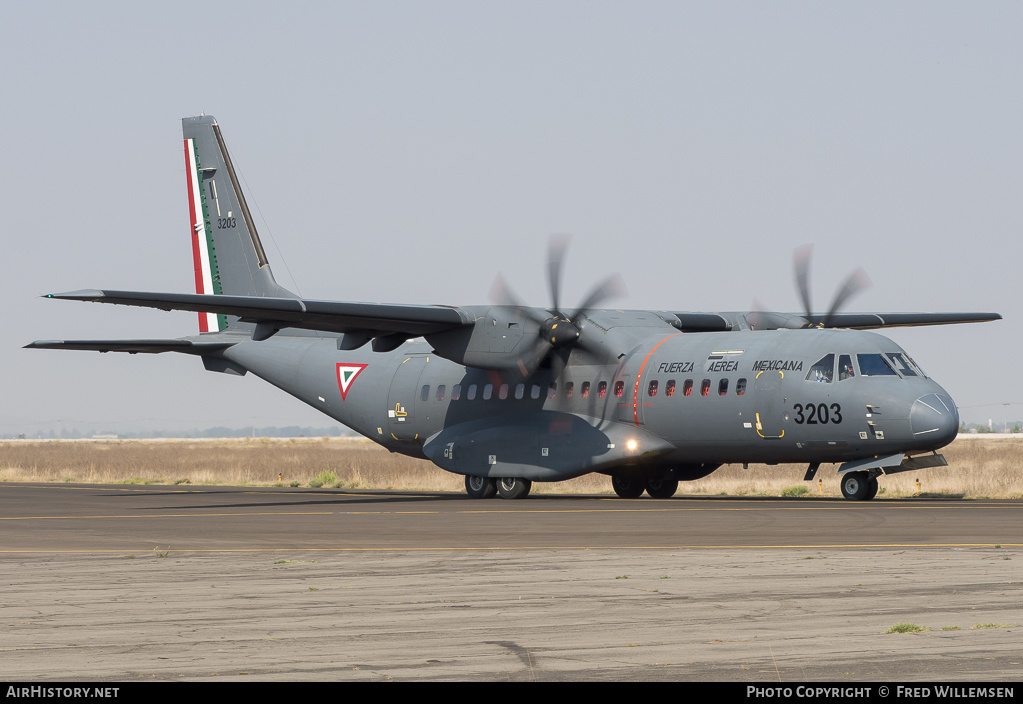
(631,445)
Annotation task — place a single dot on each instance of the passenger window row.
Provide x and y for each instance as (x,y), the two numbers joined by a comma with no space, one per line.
(568,390)
(687,387)
(487,391)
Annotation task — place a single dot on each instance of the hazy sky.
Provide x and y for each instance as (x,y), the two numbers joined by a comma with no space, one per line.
(410,151)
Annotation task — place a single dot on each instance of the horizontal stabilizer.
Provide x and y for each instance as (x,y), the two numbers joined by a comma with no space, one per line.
(132,346)
(328,316)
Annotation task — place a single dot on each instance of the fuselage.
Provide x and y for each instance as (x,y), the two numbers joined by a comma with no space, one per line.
(750,396)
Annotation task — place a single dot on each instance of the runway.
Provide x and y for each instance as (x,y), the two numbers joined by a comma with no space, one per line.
(87,518)
(120,582)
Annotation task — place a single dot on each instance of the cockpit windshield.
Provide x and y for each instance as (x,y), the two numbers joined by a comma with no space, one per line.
(823,371)
(904,365)
(874,365)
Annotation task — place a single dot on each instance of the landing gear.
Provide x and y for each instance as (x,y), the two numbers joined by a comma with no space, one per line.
(859,486)
(627,487)
(661,488)
(871,489)
(513,488)
(480,487)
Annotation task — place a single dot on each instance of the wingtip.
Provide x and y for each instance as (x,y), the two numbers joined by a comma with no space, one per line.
(84,294)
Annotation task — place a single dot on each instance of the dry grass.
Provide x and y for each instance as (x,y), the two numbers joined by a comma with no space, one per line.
(978,467)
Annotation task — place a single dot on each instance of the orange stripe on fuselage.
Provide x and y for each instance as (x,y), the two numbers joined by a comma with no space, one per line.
(635,392)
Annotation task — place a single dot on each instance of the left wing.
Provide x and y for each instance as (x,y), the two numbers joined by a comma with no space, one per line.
(327,316)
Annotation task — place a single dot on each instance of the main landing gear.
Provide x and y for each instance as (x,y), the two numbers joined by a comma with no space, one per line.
(480,487)
(630,487)
(859,486)
(506,488)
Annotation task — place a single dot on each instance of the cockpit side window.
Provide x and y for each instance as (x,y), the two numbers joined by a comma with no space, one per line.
(874,365)
(902,364)
(845,367)
(823,371)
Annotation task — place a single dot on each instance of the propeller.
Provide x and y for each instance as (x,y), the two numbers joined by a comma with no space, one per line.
(557,331)
(856,282)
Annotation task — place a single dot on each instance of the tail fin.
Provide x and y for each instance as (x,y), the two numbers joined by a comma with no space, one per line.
(229,258)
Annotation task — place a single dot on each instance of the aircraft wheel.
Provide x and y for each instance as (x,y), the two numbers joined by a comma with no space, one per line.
(872,488)
(480,487)
(661,488)
(626,487)
(856,486)
(513,488)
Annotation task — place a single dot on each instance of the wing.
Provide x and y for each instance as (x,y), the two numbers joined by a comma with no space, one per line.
(326,316)
(767,320)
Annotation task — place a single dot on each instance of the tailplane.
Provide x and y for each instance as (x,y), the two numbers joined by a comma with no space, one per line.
(228,256)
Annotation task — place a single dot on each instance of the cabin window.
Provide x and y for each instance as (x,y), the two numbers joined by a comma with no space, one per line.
(552,390)
(823,371)
(723,387)
(520,390)
(705,387)
(502,392)
(471,395)
(602,389)
(874,365)
(687,388)
(534,391)
(568,388)
(441,391)
(669,388)
(488,391)
(740,387)
(619,389)
(426,393)
(585,389)
(651,389)
(456,392)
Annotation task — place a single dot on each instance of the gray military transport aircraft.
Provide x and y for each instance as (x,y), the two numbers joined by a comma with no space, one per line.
(507,394)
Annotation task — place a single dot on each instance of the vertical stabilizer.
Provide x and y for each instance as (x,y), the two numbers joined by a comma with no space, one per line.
(228,256)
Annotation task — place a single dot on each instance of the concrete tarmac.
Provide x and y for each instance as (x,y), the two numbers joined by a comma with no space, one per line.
(128,582)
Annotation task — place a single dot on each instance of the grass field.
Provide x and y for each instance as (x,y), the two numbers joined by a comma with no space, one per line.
(979,466)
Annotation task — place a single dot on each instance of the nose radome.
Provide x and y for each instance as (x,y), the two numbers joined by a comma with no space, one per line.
(934,416)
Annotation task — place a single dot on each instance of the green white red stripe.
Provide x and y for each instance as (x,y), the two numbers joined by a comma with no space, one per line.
(203,257)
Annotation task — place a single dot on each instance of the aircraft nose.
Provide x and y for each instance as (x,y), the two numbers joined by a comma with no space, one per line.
(934,416)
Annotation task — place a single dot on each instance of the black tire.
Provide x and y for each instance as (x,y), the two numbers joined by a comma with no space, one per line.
(856,486)
(661,488)
(627,487)
(872,488)
(513,488)
(480,487)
